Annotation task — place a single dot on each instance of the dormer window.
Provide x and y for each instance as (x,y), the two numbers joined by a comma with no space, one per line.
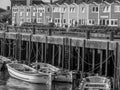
(83,9)
(106,9)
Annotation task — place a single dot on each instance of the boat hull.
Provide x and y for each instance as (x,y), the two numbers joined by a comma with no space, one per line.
(32,78)
(58,75)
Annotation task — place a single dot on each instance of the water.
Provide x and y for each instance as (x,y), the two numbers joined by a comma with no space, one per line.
(9,83)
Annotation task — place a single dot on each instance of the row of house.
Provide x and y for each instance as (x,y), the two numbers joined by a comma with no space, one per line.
(69,14)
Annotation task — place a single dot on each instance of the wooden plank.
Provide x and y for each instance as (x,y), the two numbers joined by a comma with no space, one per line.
(107,58)
(93,60)
(38,38)
(55,40)
(36,51)
(27,43)
(53,55)
(42,52)
(20,49)
(59,56)
(101,58)
(83,56)
(63,56)
(78,59)
(9,52)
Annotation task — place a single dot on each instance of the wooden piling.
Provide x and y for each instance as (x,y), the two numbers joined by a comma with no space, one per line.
(78,59)
(36,51)
(53,54)
(83,56)
(59,56)
(93,60)
(101,58)
(42,52)
(27,51)
(63,56)
(107,58)
(9,51)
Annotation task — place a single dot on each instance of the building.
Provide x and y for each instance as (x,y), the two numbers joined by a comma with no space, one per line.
(73,14)
(64,15)
(93,16)
(26,2)
(56,14)
(115,13)
(83,14)
(105,13)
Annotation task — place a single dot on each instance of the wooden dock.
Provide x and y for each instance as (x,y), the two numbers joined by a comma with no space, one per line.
(91,53)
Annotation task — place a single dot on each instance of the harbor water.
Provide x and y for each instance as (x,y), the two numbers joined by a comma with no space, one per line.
(9,83)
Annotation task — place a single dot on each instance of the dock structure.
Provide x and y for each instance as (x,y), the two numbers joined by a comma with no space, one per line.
(85,52)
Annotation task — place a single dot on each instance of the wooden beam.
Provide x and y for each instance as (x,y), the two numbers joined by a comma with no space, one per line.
(107,58)
(83,56)
(53,54)
(20,45)
(42,52)
(63,56)
(45,52)
(27,51)
(9,51)
(78,59)
(101,59)
(36,51)
(59,56)
(93,60)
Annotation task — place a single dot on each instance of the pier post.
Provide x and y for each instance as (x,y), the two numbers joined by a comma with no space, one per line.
(93,60)
(42,52)
(20,37)
(27,51)
(63,56)
(101,59)
(13,48)
(53,54)
(78,59)
(59,56)
(107,57)
(37,51)
(9,52)
(83,56)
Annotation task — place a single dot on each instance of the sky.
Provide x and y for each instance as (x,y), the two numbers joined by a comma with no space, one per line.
(4,3)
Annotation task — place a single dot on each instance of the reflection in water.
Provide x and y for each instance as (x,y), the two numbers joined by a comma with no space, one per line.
(15,84)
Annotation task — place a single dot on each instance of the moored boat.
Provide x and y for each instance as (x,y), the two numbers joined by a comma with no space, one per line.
(26,73)
(95,83)
(58,74)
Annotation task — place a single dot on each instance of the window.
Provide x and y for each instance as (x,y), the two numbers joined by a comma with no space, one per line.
(83,9)
(21,13)
(64,21)
(48,9)
(33,13)
(106,9)
(28,10)
(39,20)
(114,22)
(116,8)
(72,9)
(95,9)
(64,9)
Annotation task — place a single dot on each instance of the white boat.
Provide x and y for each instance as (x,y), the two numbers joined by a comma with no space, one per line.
(26,73)
(57,73)
(95,83)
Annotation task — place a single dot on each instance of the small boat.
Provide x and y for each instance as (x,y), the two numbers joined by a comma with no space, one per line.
(58,74)
(95,83)
(26,73)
